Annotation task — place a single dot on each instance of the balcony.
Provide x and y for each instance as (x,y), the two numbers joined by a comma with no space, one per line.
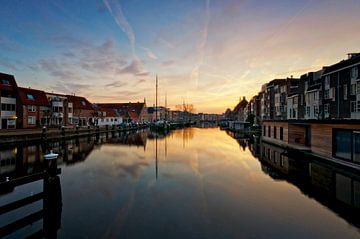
(57,104)
(8,114)
(58,114)
(8,100)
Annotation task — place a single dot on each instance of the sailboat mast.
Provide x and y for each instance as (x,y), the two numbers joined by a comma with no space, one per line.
(166,106)
(156,99)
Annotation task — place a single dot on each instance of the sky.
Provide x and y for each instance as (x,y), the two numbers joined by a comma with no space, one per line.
(208,53)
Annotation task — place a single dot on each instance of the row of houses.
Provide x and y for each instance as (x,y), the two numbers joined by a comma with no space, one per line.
(319,112)
(331,93)
(32,108)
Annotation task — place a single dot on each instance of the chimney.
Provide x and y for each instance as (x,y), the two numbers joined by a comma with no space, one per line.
(353,55)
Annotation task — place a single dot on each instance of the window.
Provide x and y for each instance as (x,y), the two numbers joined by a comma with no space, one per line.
(31,120)
(269,131)
(264,129)
(316,111)
(281,133)
(352,89)
(326,108)
(308,110)
(275,132)
(83,103)
(346,144)
(353,106)
(354,72)
(345,92)
(70,110)
(332,93)
(326,94)
(7,107)
(31,108)
(327,81)
(30,97)
(44,109)
(358,106)
(5,82)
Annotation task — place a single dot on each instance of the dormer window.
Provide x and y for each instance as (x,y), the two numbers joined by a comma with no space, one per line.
(5,82)
(354,72)
(30,97)
(83,103)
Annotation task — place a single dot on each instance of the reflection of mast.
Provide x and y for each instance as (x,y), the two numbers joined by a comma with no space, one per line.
(156,100)
(165,147)
(156,158)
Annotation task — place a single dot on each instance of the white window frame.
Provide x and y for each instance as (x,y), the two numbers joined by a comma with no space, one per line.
(31,108)
(345,92)
(31,120)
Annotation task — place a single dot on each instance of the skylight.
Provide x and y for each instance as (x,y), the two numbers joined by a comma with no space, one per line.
(30,97)
(5,82)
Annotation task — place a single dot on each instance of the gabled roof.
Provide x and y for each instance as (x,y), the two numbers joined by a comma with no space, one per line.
(109,112)
(343,64)
(80,102)
(241,105)
(125,109)
(29,96)
(7,82)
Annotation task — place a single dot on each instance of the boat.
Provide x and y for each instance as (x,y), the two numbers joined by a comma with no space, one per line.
(51,155)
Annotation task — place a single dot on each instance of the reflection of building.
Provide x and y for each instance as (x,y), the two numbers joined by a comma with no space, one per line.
(137,139)
(51,198)
(332,187)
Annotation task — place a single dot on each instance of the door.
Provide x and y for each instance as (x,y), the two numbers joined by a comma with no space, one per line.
(308,136)
(4,124)
(356,148)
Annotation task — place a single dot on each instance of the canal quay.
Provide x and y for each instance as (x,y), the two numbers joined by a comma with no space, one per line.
(189,183)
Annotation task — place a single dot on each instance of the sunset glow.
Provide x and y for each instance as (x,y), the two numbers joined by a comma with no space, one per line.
(207,53)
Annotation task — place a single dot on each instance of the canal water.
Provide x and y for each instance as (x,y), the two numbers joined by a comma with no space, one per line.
(191,183)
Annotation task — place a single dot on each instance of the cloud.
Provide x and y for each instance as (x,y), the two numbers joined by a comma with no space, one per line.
(117,83)
(69,88)
(195,73)
(56,69)
(150,54)
(8,64)
(115,10)
(134,68)
(168,63)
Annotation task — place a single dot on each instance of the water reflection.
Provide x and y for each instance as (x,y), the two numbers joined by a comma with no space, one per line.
(334,187)
(191,183)
(51,198)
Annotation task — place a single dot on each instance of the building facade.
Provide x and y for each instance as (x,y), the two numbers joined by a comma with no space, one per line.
(8,101)
(34,110)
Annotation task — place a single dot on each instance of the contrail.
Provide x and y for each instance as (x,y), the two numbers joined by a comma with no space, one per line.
(201,46)
(116,12)
(281,29)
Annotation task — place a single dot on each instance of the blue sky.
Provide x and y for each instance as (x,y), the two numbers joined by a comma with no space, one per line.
(205,52)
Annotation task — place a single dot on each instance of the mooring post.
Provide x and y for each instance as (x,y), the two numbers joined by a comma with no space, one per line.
(43,133)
